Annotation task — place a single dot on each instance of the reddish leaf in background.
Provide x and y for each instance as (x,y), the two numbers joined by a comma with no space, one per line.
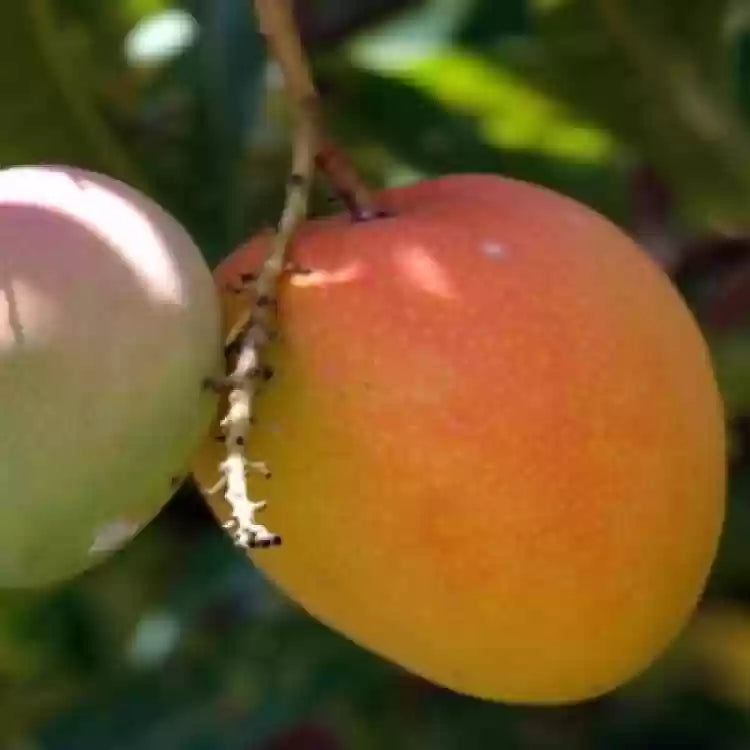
(719,268)
(732,306)
(305,737)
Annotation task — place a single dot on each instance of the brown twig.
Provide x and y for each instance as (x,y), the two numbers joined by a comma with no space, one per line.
(358,199)
(252,332)
(278,25)
(276,21)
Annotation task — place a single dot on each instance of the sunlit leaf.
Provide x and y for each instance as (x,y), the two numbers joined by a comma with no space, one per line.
(434,137)
(510,114)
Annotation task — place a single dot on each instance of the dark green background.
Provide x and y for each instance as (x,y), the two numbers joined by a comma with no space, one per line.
(640,108)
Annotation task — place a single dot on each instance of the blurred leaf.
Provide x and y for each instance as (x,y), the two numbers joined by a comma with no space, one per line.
(720,641)
(139,8)
(199,168)
(49,106)
(307,736)
(731,309)
(424,29)
(236,690)
(419,129)
(730,576)
(327,21)
(731,354)
(509,113)
(490,20)
(737,33)
(673,101)
(693,718)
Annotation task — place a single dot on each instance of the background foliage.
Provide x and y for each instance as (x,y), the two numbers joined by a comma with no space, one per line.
(640,108)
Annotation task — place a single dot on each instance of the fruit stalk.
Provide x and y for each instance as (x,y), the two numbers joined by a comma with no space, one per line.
(356,196)
(252,332)
(278,25)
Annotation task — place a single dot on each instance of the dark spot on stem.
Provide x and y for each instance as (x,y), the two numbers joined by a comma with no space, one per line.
(362,214)
(273,541)
(296,270)
(233,347)
(211,383)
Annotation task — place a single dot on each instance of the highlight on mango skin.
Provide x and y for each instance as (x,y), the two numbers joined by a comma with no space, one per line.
(496,442)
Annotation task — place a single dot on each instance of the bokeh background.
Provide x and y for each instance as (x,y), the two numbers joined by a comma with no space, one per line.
(640,108)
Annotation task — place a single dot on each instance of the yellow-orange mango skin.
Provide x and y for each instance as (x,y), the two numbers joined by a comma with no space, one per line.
(497,443)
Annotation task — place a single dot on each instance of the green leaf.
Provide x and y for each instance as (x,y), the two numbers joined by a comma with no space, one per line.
(731,356)
(434,132)
(659,77)
(489,21)
(200,172)
(741,69)
(50,113)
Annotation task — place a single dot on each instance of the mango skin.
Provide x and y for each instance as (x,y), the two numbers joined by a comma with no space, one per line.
(109,323)
(497,442)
